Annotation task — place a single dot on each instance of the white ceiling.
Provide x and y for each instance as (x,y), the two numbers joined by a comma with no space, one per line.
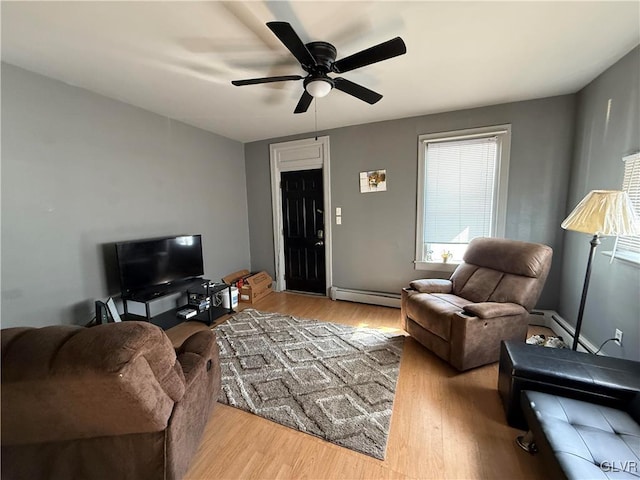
(178,58)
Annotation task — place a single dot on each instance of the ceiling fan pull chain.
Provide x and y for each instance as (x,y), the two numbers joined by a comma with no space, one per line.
(315,111)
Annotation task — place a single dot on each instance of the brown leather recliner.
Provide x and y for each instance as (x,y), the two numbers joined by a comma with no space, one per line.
(487,299)
(113,401)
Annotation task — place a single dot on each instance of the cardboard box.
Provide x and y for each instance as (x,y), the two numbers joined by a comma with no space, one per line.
(232,278)
(251,286)
(256,287)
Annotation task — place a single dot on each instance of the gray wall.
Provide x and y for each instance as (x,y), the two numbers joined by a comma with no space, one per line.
(613,299)
(375,246)
(80,171)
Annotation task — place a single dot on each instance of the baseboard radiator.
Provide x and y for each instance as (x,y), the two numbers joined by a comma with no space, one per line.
(364,296)
(553,320)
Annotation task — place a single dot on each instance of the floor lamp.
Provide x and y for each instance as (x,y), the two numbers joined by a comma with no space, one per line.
(600,213)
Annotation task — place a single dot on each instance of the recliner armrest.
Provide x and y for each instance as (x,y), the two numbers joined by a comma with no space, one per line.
(199,343)
(432,285)
(198,352)
(486,310)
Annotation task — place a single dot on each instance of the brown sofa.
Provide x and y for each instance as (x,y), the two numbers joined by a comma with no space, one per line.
(113,401)
(486,300)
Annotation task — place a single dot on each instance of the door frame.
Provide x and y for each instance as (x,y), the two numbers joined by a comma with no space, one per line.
(317,150)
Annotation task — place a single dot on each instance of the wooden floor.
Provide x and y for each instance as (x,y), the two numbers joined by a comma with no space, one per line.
(445,424)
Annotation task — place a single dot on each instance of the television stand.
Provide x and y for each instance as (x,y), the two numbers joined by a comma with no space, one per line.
(169,318)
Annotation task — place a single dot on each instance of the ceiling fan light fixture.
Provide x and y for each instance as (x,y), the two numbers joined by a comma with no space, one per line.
(318,87)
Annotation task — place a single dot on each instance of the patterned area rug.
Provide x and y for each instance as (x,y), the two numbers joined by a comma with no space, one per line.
(333,381)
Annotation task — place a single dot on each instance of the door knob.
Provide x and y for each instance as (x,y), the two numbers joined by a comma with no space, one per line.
(319,243)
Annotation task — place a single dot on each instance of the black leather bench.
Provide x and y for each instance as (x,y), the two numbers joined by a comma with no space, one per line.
(606,380)
(580,440)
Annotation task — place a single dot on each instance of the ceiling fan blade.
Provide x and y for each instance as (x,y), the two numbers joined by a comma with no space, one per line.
(303,104)
(377,53)
(287,35)
(356,90)
(255,81)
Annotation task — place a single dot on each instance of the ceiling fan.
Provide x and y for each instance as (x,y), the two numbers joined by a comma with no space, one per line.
(318,59)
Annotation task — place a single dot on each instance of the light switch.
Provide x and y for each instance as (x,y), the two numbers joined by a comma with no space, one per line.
(338,211)
(338,220)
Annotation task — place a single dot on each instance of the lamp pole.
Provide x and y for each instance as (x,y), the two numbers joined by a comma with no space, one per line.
(595,241)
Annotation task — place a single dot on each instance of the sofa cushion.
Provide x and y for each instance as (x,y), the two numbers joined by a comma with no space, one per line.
(483,284)
(475,283)
(521,290)
(434,312)
(115,347)
(511,256)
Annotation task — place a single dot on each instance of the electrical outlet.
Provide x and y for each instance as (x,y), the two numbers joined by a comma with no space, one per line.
(619,336)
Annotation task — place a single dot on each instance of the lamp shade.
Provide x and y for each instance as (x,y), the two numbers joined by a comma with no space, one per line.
(604,212)
(318,88)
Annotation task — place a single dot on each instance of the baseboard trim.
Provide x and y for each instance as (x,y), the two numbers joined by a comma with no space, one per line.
(363,296)
(552,319)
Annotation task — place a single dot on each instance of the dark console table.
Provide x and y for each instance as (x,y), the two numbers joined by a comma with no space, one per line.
(169,318)
(564,372)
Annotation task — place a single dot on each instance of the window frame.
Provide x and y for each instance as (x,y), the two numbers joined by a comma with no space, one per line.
(619,252)
(503,134)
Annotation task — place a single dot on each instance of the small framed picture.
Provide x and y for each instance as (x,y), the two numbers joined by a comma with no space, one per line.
(373,181)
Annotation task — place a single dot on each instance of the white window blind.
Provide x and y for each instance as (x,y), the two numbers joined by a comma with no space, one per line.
(631,185)
(459,190)
(462,192)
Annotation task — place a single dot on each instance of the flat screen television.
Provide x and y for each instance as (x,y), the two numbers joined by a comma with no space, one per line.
(145,264)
